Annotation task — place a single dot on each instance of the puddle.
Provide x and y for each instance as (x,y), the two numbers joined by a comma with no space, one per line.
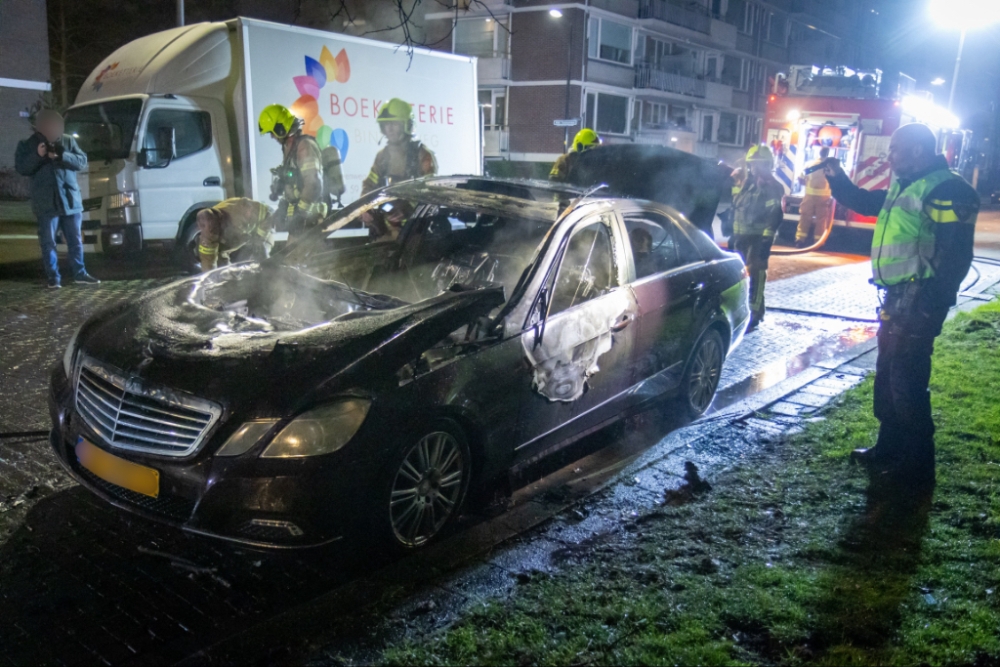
(783,369)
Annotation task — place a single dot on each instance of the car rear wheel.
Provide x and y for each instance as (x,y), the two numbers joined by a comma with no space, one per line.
(427,485)
(703,373)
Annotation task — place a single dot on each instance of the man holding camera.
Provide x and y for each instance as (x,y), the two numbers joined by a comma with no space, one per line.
(51,159)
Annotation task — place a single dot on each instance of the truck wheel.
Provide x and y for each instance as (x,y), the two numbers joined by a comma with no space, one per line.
(186,253)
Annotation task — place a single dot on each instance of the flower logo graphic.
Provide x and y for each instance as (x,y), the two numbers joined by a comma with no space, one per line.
(318,73)
(97,80)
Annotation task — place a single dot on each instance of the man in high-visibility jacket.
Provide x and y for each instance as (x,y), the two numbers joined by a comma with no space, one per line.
(298,181)
(921,251)
(234,224)
(814,211)
(757,216)
(404,157)
(584,140)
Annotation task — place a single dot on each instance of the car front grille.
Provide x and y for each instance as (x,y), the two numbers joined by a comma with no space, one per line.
(128,414)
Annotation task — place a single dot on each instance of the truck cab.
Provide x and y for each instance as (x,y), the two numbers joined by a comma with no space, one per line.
(172,149)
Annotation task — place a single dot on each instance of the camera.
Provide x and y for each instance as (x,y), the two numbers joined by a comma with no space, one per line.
(55,147)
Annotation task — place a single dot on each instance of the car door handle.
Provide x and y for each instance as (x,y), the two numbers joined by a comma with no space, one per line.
(622,323)
(212,180)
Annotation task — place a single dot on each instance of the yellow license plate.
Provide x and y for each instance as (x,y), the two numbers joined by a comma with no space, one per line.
(110,468)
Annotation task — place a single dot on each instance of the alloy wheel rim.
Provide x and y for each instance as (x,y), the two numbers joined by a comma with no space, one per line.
(705,372)
(426,489)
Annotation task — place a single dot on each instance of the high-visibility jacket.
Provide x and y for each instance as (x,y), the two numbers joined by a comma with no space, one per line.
(903,244)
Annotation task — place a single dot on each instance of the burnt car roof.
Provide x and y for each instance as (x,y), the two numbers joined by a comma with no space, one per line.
(502,196)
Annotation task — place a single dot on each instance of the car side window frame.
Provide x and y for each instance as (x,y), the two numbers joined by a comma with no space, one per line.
(200,114)
(611,223)
(673,228)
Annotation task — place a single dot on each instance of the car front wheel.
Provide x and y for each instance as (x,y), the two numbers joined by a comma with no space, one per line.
(427,485)
(703,373)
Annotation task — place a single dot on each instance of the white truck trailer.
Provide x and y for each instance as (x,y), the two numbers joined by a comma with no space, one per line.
(169,121)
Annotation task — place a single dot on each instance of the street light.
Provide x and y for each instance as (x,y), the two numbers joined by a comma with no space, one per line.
(555,13)
(963,15)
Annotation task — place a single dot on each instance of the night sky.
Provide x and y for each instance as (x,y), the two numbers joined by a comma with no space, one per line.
(915,46)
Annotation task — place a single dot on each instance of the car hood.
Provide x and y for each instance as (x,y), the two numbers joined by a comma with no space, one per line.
(271,329)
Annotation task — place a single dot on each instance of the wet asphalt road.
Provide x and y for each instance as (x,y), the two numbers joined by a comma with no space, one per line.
(82,583)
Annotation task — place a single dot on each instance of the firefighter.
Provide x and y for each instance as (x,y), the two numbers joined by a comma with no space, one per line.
(298,181)
(404,156)
(921,252)
(814,211)
(756,217)
(234,224)
(735,180)
(584,140)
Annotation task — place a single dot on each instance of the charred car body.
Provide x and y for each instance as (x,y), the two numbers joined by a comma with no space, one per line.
(372,384)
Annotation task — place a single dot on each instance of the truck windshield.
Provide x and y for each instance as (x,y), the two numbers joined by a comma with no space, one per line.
(104,130)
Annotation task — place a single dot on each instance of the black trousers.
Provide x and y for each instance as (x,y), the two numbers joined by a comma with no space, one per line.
(903,400)
(755,249)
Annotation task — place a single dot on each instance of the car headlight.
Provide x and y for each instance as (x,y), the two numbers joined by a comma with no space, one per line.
(321,430)
(69,356)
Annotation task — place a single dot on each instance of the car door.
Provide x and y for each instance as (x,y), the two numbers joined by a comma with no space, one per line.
(578,342)
(669,283)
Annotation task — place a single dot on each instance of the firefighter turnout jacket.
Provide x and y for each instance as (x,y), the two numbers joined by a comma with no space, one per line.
(400,162)
(757,207)
(302,171)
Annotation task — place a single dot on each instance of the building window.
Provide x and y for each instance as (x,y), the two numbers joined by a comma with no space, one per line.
(777,29)
(707,127)
(666,56)
(484,38)
(610,41)
(493,102)
(729,128)
(732,71)
(608,114)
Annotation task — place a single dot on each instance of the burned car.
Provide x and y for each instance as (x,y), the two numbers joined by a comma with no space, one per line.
(368,385)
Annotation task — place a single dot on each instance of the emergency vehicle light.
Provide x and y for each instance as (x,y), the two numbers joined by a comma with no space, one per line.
(926,111)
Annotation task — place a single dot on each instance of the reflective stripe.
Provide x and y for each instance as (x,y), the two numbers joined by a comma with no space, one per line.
(372,177)
(904,250)
(771,202)
(822,192)
(941,215)
(941,203)
(208,249)
(901,271)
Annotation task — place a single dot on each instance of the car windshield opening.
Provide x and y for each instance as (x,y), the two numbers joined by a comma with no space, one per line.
(412,250)
(104,130)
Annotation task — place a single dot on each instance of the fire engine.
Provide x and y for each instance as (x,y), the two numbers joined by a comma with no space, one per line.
(852,114)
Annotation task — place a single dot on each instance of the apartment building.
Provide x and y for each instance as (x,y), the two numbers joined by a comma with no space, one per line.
(24,70)
(690,74)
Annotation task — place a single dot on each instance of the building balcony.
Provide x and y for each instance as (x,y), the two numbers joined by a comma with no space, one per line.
(649,77)
(670,12)
(495,68)
(496,142)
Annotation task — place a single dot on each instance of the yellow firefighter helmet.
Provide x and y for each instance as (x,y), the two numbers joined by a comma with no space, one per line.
(760,154)
(397,110)
(277,120)
(584,139)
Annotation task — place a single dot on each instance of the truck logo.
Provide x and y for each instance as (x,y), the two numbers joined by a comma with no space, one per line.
(318,73)
(97,80)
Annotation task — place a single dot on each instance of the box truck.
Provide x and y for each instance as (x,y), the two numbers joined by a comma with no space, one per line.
(169,121)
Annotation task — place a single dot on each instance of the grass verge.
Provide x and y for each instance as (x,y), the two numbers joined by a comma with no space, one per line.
(786,561)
